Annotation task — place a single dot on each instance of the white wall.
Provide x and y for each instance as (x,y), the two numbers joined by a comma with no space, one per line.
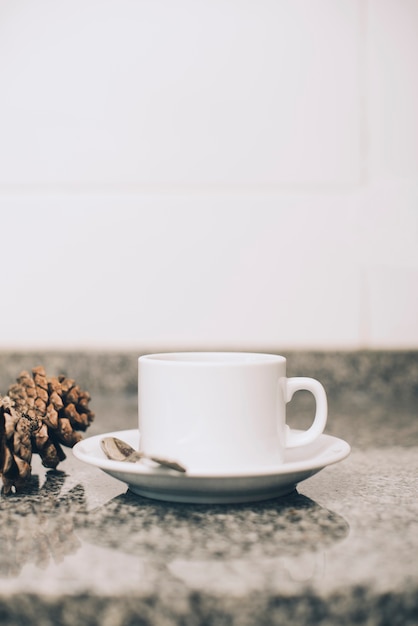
(209,173)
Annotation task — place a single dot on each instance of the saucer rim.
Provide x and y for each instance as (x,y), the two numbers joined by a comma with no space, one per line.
(337,450)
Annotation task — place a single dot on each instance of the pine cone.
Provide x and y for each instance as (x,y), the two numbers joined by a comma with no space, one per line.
(16,431)
(44,413)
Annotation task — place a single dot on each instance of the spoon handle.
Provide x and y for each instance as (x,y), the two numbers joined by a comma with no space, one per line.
(118,450)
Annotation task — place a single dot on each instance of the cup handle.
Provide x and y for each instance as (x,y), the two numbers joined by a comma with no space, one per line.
(294,439)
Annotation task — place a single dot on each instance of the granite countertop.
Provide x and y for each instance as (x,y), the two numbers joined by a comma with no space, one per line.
(78,547)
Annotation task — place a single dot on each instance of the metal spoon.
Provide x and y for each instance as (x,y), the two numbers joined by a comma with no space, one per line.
(118,450)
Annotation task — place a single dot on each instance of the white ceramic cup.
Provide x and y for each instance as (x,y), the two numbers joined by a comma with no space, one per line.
(221,412)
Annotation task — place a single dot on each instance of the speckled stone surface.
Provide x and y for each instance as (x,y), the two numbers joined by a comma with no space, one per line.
(378,372)
(78,548)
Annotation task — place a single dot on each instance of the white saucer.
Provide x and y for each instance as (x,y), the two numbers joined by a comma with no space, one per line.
(160,484)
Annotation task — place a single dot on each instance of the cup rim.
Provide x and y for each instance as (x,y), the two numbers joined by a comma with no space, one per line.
(212,358)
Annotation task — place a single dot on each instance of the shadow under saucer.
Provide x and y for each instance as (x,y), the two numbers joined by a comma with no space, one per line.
(159,530)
